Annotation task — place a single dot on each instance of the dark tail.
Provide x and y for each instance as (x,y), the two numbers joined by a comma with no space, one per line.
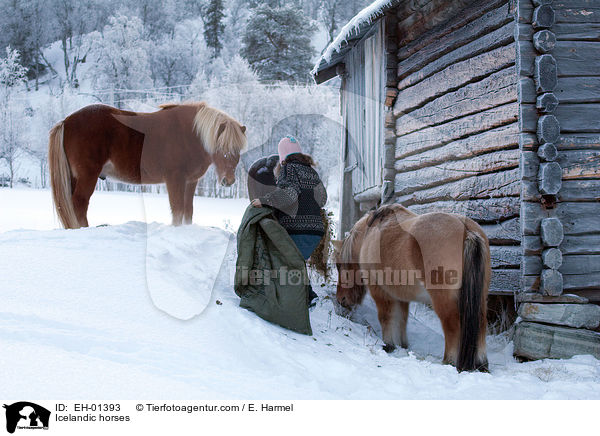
(471,304)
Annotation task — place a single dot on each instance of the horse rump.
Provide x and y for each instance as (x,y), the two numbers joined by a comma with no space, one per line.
(472,305)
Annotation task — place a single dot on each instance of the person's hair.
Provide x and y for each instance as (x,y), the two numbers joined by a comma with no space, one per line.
(295,157)
(301,158)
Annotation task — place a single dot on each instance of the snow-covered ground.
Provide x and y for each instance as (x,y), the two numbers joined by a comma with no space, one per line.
(108,313)
(23,208)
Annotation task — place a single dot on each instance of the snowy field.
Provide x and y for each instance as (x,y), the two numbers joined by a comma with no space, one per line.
(32,209)
(135,310)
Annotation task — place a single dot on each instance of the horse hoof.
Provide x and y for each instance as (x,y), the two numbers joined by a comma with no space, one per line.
(389,348)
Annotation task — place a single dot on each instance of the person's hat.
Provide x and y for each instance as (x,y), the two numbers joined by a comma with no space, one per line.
(288,145)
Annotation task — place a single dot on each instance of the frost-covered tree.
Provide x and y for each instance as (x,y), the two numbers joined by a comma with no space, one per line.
(231,87)
(238,72)
(158,17)
(40,33)
(30,25)
(25,27)
(214,27)
(120,57)
(333,14)
(329,15)
(235,22)
(176,58)
(350,8)
(276,43)
(73,19)
(12,74)
(199,85)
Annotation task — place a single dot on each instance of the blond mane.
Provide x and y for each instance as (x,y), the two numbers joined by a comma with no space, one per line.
(218,131)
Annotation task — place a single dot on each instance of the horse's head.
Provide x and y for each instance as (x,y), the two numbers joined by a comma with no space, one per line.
(230,141)
(225,165)
(350,290)
(223,137)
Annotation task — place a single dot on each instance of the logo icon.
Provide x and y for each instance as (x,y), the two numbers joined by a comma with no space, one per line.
(26,415)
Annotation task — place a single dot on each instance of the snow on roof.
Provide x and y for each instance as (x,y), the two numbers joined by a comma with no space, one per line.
(366,16)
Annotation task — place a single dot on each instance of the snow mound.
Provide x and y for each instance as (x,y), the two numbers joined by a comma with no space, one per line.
(182,264)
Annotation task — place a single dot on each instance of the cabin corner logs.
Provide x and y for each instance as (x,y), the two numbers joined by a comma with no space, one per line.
(490,108)
(557,57)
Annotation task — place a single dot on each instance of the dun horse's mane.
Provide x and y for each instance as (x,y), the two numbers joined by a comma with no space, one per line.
(380,214)
(218,131)
(345,256)
(370,219)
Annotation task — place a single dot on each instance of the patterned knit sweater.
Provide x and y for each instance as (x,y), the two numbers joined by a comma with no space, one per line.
(299,197)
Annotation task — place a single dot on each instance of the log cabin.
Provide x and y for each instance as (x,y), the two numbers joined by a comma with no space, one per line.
(491,109)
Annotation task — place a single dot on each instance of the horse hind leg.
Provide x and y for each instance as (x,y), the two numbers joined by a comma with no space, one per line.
(83,189)
(445,305)
(393,316)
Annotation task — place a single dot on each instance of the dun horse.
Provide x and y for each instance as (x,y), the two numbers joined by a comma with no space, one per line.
(174,145)
(437,258)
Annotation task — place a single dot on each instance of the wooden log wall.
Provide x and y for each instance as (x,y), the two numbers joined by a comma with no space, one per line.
(403,28)
(455,143)
(400,30)
(559,92)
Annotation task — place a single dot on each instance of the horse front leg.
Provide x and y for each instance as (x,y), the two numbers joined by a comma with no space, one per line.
(394,335)
(393,315)
(176,190)
(188,206)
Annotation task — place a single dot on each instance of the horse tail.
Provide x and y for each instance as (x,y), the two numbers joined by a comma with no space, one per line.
(472,305)
(60,178)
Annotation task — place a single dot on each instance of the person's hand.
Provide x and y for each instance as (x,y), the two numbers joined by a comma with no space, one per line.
(256,203)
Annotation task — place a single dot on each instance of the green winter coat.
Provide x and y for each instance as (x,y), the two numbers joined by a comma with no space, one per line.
(264,245)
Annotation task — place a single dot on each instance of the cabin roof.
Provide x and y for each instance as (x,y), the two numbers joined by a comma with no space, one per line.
(349,35)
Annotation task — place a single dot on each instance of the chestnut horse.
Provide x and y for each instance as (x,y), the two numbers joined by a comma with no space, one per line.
(439,259)
(174,145)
